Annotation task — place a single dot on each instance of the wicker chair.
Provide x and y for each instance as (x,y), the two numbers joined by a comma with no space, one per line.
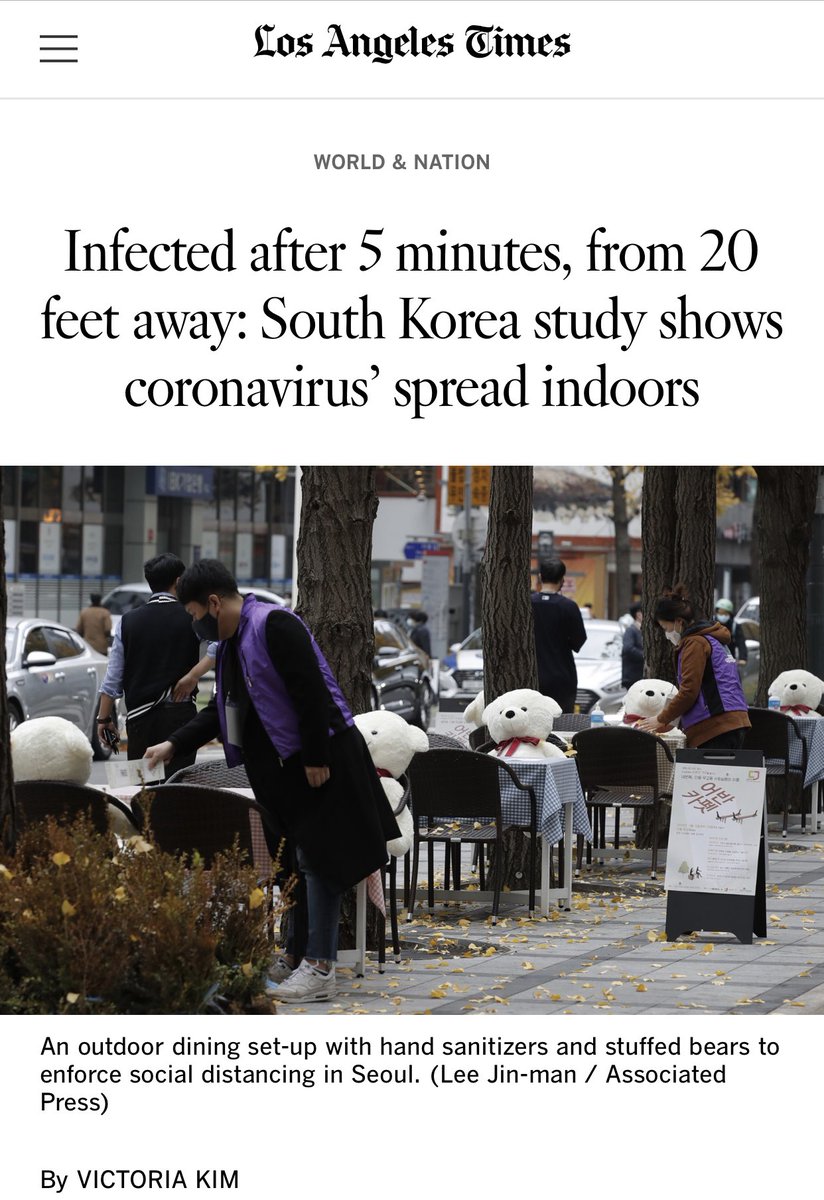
(772,733)
(619,768)
(572,722)
(451,786)
(186,818)
(212,773)
(37,799)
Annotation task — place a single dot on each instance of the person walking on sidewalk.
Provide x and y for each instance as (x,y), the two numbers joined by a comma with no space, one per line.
(281,713)
(95,624)
(710,700)
(154,650)
(559,630)
(632,649)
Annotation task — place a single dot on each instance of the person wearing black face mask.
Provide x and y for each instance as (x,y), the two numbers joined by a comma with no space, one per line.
(154,663)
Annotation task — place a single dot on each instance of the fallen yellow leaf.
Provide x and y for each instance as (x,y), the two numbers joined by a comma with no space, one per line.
(60,858)
(67,908)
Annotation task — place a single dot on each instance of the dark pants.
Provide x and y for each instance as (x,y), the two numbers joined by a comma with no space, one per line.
(155,726)
(731,740)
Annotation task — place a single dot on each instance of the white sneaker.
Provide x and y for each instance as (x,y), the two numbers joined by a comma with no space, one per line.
(278,972)
(305,985)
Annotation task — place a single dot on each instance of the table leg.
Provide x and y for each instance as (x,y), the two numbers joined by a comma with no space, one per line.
(568,854)
(360,928)
(546,854)
(815,800)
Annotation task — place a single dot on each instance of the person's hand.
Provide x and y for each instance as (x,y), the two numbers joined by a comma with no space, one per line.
(316,776)
(651,725)
(163,752)
(184,687)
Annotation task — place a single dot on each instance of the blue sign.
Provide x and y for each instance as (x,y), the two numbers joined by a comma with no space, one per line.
(196,483)
(418,549)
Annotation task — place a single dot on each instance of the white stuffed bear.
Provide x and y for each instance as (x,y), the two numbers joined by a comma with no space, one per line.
(473,713)
(520,723)
(799,692)
(646,698)
(392,743)
(51,748)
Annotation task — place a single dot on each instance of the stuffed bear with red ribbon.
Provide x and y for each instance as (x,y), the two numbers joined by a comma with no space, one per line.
(799,693)
(520,724)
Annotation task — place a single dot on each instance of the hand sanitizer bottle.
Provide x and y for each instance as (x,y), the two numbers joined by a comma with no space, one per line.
(596,718)
(774,704)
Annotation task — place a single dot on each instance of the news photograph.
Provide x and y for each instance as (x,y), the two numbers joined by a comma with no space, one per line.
(410,740)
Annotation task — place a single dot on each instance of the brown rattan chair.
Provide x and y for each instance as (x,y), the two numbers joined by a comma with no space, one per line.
(187,818)
(37,799)
(456,798)
(211,773)
(572,722)
(772,733)
(619,768)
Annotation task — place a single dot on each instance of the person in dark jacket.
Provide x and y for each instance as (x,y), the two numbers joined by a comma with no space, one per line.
(280,712)
(710,700)
(153,651)
(559,630)
(419,633)
(632,649)
(723,614)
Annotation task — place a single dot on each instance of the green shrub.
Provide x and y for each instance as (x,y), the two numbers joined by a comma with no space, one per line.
(89,925)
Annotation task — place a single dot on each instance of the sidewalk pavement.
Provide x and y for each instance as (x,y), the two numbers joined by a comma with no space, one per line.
(608,955)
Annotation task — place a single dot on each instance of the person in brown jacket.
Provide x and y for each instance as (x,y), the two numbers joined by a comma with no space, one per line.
(95,625)
(710,700)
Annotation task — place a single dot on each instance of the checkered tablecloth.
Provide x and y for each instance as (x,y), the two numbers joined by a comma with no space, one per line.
(812,731)
(555,782)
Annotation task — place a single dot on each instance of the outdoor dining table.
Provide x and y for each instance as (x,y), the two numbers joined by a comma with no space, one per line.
(812,731)
(561,810)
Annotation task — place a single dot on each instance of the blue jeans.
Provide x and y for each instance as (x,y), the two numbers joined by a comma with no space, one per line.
(323,900)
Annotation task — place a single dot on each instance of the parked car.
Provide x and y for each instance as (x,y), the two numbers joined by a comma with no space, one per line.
(53,672)
(126,596)
(749,618)
(401,674)
(598,663)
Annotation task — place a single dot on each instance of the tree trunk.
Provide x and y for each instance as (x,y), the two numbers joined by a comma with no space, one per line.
(506,617)
(6,787)
(783,522)
(695,535)
(334,554)
(506,611)
(623,551)
(658,526)
(679,538)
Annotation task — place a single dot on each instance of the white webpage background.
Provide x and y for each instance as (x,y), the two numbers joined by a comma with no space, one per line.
(665,120)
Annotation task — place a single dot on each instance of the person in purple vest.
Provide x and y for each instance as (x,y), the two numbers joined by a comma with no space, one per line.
(279,710)
(710,700)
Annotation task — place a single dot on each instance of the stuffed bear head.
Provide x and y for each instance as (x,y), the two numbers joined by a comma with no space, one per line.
(799,692)
(51,748)
(646,698)
(522,720)
(391,741)
(473,713)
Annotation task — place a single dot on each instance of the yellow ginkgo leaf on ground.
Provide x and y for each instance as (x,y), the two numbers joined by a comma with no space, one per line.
(528,966)
(67,908)
(640,987)
(256,897)
(119,894)
(72,997)
(60,858)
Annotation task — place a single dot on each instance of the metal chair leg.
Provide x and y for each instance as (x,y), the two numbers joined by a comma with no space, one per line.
(413,887)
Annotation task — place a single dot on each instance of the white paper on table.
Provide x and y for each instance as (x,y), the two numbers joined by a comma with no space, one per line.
(132,772)
(715,828)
